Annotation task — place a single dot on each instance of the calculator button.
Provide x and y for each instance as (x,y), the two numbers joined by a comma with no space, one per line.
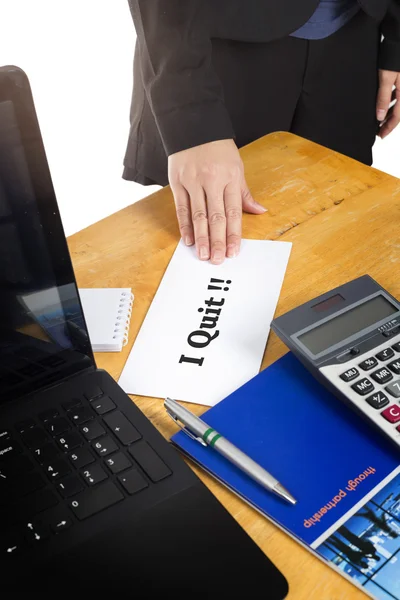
(394,388)
(350,374)
(385,354)
(368,363)
(396,347)
(363,387)
(382,375)
(378,400)
(392,414)
(395,367)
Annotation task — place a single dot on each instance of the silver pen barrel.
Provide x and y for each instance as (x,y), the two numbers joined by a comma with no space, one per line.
(250,467)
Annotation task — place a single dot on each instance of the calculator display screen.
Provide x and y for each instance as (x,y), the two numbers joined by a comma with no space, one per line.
(334,331)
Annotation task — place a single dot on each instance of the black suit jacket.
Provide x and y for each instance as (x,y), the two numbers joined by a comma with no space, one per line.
(177,95)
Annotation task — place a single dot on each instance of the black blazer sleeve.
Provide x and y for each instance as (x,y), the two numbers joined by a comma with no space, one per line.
(183,90)
(390,51)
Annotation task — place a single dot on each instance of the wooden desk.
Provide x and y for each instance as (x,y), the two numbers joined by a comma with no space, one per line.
(343,219)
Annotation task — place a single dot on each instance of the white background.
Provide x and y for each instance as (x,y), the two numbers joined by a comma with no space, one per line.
(78,56)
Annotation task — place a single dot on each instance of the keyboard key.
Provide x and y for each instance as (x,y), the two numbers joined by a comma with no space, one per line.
(15,466)
(378,400)
(46,453)
(94,475)
(69,441)
(396,347)
(23,426)
(81,457)
(122,428)
(395,367)
(60,525)
(9,448)
(385,354)
(57,469)
(5,434)
(363,387)
(58,426)
(11,545)
(81,415)
(92,430)
(382,375)
(132,481)
(35,437)
(49,415)
(118,462)
(36,535)
(95,500)
(149,461)
(394,388)
(391,414)
(70,404)
(350,374)
(368,363)
(70,486)
(93,392)
(103,405)
(105,446)
(28,483)
(28,506)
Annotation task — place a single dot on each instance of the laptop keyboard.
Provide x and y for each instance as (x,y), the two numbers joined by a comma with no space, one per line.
(82,458)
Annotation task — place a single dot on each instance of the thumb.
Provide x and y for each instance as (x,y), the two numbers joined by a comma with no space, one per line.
(249,204)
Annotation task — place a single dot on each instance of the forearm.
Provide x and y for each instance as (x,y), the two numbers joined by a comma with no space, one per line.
(390,48)
(184,92)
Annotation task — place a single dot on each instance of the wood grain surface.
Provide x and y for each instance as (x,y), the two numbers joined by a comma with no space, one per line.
(342,218)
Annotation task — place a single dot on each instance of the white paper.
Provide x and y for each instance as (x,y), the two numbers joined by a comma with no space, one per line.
(230,323)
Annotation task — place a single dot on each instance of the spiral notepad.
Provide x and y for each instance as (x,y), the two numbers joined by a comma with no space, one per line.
(107,313)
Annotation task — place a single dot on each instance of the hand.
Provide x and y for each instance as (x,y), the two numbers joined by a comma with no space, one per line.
(210,193)
(390,118)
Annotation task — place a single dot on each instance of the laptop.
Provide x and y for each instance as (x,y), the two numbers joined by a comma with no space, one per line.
(92,497)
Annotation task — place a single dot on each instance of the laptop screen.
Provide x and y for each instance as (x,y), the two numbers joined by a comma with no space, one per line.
(43,336)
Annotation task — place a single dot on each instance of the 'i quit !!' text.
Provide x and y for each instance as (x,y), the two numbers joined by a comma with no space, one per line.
(207,331)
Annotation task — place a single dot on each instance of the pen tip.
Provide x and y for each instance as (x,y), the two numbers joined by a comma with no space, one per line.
(283,493)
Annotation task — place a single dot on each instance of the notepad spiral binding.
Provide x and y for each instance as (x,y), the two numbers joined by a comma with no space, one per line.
(121,330)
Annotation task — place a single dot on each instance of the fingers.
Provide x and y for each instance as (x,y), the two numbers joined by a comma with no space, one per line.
(386,81)
(393,118)
(249,204)
(184,213)
(233,212)
(217,223)
(200,220)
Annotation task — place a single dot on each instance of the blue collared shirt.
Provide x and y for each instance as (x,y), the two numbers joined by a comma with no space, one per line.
(328,18)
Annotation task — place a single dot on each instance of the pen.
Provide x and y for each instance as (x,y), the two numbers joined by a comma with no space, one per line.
(198,430)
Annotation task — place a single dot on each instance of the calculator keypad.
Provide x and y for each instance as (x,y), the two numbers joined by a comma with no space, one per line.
(363,387)
(378,400)
(394,389)
(368,363)
(372,383)
(385,354)
(350,374)
(383,375)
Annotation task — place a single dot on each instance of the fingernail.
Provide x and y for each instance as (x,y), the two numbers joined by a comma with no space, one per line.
(204,255)
(381,114)
(218,256)
(260,206)
(232,251)
(188,241)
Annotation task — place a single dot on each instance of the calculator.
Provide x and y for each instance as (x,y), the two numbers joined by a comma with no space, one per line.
(349,339)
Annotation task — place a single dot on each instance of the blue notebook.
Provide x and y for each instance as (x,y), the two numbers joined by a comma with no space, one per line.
(344,475)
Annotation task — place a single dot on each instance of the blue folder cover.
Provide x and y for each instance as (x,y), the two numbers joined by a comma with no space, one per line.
(327,457)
